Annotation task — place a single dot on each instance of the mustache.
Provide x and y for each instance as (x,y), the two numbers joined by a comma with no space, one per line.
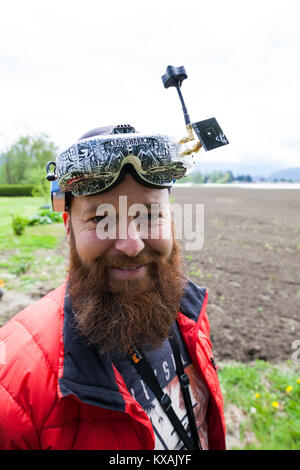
(122,261)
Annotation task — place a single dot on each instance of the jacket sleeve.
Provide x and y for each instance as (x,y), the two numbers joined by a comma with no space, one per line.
(17,431)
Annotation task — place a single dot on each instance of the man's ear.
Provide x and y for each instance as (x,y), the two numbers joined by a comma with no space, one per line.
(67,222)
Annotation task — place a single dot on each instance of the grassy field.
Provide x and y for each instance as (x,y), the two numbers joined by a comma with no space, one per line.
(262,405)
(34,257)
(262,399)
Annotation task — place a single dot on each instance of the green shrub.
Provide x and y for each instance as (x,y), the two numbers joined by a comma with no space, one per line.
(45,216)
(41,189)
(16,190)
(18,224)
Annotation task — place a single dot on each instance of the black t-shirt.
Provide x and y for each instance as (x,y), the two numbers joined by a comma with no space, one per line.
(163,364)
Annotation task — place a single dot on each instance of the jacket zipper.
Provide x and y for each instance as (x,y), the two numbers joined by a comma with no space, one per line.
(214,363)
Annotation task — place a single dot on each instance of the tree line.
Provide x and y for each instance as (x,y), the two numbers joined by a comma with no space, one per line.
(24,162)
(220,177)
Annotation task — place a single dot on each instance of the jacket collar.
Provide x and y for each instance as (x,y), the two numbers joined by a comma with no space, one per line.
(89,376)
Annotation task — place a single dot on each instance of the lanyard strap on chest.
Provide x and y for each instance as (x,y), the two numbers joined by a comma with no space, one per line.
(144,369)
(184,382)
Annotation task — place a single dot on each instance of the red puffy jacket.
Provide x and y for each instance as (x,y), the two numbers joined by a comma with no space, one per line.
(55,394)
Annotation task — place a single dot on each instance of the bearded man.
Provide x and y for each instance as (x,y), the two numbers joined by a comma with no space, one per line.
(119,356)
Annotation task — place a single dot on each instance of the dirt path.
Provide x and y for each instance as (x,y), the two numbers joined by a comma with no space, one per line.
(250,264)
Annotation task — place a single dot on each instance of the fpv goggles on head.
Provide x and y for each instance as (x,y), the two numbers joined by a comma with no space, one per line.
(98,161)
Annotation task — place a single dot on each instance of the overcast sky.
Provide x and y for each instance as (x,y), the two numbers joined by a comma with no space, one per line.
(67,66)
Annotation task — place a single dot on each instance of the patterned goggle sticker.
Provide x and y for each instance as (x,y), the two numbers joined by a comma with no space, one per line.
(92,165)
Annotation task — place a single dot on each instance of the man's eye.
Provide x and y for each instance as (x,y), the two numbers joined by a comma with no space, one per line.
(149,216)
(156,216)
(98,218)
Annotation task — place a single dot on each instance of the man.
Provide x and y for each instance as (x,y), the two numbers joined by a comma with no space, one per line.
(119,356)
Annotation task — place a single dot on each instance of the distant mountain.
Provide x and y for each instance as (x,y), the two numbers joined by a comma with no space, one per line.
(287,174)
(253,170)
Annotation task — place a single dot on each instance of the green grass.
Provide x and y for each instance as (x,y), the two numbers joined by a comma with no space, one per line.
(30,258)
(270,410)
(25,206)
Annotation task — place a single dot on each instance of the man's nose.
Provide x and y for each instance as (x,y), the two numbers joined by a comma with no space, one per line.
(130,243)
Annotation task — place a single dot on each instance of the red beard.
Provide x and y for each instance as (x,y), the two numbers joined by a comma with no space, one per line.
(117,314)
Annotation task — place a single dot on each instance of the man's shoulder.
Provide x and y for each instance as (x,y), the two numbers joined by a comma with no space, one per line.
(30,346)
(39,324)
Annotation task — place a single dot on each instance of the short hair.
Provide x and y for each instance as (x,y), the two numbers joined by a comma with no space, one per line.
(105,130)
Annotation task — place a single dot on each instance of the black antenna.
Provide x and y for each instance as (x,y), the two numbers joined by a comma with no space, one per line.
(209,132)
(174,76)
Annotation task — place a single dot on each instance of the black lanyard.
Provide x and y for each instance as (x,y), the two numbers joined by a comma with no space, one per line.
(144,369)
